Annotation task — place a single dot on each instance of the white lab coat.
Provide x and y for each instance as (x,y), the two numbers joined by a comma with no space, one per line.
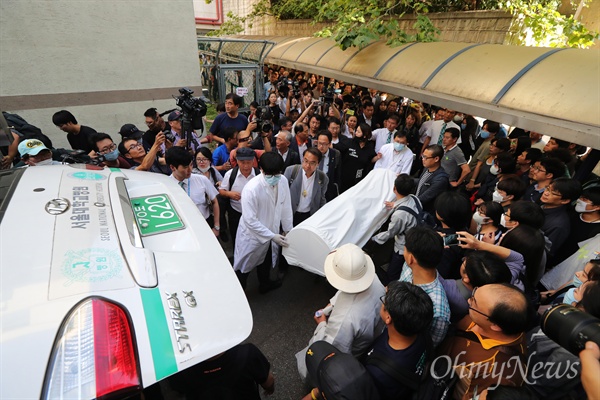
(262,214)
(400,163)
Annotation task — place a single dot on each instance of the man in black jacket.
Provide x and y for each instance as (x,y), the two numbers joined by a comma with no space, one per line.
(433,180)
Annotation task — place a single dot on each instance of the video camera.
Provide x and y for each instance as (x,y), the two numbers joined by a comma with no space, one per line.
(330,93)
(283,87)
(570,327)
(192,108)
(263,119)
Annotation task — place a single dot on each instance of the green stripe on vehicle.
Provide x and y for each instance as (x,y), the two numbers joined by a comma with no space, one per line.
(163,354)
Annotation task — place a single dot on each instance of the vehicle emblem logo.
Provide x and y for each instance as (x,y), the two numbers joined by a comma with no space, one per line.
(190,300)
(57,206)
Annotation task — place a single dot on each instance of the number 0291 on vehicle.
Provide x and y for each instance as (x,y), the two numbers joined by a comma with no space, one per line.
(155,214)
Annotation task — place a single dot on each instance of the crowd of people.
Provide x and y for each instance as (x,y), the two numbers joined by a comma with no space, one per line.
(480,216)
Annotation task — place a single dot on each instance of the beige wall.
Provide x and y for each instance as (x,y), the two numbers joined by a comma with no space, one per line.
(470,27)
(106,62)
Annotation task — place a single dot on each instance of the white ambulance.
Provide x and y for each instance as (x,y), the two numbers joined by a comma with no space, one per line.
(111,281)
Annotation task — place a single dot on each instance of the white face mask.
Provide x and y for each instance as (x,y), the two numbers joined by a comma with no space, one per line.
(503,221)
(581,205)
(203,170)
(497,197)
(479,219)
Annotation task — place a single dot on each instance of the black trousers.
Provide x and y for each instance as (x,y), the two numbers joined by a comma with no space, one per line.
(263,271)
(234,222)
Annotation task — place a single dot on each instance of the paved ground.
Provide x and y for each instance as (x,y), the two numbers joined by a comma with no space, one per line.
(283,323)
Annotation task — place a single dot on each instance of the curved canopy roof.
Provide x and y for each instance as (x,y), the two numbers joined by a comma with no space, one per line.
(551,91)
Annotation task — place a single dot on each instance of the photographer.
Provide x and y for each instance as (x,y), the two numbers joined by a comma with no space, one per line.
(136,155)
(175,136)
(263,127)
(105,151)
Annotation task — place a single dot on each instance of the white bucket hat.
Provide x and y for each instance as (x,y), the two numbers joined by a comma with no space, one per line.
(349,269)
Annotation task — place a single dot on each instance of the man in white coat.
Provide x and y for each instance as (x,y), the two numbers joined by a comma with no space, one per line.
(396,156)
(351,321)
(266,206)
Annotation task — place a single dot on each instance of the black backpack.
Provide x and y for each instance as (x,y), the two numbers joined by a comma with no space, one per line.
(438,385)
(423,217)
(26,130)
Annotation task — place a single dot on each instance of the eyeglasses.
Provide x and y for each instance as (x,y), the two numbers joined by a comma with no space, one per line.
(552,192)
(424,157)
(507,216)
(202,160)
(322,144)
(472,298)
(134,146)
(246,139)
(536,168)
(108,149)
(382,299)
(311,163)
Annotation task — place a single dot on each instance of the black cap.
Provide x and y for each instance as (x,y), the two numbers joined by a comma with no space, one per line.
(338,375)
(244,154)
(130,131)
(174,116)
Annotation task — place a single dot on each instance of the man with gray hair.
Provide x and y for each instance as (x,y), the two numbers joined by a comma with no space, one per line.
(282,147)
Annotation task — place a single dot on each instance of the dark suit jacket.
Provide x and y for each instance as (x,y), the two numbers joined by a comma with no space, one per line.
(292,158)
(437,183)
(318,191)
(334,174)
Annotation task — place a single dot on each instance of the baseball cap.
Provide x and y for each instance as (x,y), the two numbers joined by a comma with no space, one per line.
(31,147)
(244,154)
(130,131)
(349,269)
(174,116)
(338,375)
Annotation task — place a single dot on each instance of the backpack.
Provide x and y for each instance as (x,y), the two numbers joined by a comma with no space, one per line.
(423,217)
(226,201)
(26,130)
(438,385)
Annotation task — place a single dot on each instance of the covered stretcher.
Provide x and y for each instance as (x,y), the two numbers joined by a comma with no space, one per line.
(352,217)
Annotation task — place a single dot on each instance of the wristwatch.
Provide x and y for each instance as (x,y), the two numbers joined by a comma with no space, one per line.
(217,227)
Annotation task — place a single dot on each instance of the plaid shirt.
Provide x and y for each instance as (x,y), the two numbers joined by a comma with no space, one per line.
(441,308)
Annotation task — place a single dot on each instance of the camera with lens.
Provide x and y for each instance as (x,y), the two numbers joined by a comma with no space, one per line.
(570,327)
(329,94)
(192,108)
(169,135)
(263,119)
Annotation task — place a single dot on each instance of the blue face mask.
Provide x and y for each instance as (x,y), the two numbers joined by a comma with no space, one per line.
(484,134)
(112,156)
(272,180)
(577,282)
(398,146)
(463,127)
(569,297)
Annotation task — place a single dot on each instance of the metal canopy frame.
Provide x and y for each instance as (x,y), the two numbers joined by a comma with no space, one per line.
(240,55)
(550,91)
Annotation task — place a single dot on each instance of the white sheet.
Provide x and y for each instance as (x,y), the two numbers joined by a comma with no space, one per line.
(352,217)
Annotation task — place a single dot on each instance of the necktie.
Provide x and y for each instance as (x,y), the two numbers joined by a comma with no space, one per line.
(182,184)
(442,134)
(389,139)
(321,163)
